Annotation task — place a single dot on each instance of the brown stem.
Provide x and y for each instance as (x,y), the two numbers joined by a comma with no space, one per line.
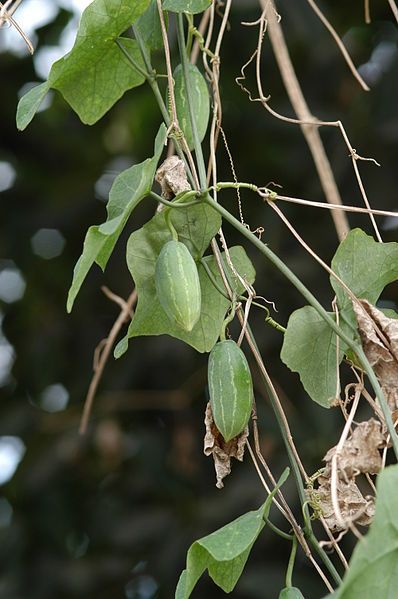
(367,11)
(339,43)
(394,9)
(106,347)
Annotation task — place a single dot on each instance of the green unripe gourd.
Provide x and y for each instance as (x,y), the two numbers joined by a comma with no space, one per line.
(230,388)
(177,285)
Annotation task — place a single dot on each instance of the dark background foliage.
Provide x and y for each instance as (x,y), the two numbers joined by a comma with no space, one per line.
(113,514)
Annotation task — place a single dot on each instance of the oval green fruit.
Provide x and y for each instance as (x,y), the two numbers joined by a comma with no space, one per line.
(200,102)
(177,284)
(291,593)
(230,388)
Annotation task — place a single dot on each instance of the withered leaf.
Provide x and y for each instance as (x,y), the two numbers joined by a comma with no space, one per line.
(222,451)
(172,177)
(379,335)
(353,505)
(360,453)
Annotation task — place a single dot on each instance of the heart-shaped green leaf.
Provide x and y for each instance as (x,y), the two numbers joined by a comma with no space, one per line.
(309,348)
(95,73)
(366,266)
(196,226)
(309,345)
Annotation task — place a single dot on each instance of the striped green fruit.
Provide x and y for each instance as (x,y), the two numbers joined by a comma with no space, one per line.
(199,96)
(177,284)
(230,388)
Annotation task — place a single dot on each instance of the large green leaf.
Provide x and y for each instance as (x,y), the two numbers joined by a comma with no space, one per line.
(373,569)
(196,226)
(224,552)
(92,84)
(309,345)
(95,73)
(191,6)
(200,101)
(128,189)
(366,266)
(309,348)
(150,28)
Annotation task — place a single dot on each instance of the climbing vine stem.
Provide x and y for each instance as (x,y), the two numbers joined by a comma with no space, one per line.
(289,274)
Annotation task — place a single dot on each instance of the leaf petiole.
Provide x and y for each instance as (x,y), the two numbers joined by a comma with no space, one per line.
(290,566)
(178,201)
(278,531)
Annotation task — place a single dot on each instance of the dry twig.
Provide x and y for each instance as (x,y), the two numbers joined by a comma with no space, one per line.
(343,207)
(300,106)
(103,350)
(308,123)
(311,251)
(6,11)
(367,11)
(394,9)
(339,43)
(333,481)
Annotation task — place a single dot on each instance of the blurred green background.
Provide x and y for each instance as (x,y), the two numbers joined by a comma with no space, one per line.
(112,514)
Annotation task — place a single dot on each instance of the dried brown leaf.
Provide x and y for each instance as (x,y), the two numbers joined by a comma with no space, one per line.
(222,451)
(172,177)
(379,335)
(360,453)
(354,507)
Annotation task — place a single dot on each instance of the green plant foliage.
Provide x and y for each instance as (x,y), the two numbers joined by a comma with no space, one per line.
(230,388)
(196,226)
(95,73)
(150,28)
(224,552)
(200,102)
(366,266)
(373,570)
(291,593)
(29,104)
(180,294)
(128,189)
(177,284)
(190,6)
(309,345)
(309,348)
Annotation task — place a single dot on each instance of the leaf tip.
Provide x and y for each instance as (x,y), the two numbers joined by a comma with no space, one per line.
(120,348)
(284,476)
(29,104)
(69,302)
